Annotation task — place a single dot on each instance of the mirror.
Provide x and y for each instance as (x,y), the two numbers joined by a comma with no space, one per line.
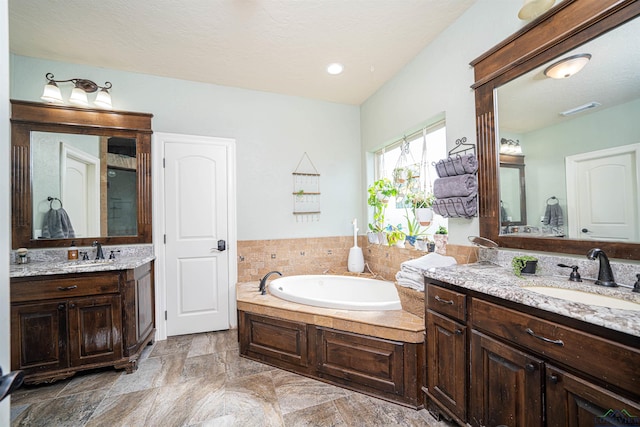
(513,199)
(530,50)
(580,163)
(79,174)
(91,178)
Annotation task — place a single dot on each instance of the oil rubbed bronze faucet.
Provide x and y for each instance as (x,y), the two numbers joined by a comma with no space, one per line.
(263,281)
(99,253)
(605,275)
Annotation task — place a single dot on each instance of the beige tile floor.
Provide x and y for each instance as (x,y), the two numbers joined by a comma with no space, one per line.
(200,380)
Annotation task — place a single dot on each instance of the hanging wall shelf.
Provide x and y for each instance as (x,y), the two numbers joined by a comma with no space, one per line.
(306,191)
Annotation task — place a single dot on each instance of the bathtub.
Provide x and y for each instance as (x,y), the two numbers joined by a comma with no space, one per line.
(341,292)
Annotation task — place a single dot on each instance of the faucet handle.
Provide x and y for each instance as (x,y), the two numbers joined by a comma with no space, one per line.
(636,286)
(574,276)
(112,255)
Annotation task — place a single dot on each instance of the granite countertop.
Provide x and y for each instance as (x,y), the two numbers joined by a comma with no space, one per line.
(44,268)
(502,283)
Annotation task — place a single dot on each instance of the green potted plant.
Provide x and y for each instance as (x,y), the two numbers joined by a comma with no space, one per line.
(395,236)
(524,264)
(423,207)
(379,194)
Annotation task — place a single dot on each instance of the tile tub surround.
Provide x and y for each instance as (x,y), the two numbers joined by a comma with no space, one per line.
(321,254)
(397,325)
(198,380)
(502,283)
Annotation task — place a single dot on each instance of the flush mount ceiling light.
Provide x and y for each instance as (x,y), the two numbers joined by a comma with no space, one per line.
(534,8)
(79,93)
(335,68)
(567,67)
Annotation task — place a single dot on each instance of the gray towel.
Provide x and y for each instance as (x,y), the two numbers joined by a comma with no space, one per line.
(457,207)
(457,165)
(553,216)
(57,225)
(455,186)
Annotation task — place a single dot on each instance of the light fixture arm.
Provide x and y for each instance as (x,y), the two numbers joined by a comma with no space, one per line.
(86,85)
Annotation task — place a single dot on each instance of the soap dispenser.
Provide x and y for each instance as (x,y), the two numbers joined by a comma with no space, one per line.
(72,253)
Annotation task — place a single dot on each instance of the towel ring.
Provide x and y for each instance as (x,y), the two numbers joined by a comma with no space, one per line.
(53,199)
(551,199)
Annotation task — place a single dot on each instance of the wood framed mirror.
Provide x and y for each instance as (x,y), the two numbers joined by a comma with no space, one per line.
(111,195)
(568,25)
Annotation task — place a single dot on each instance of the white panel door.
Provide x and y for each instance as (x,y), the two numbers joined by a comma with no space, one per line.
(197,275)
(80,174)
(605,183)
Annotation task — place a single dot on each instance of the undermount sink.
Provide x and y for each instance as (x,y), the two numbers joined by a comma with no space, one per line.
(87,263)
(585,297)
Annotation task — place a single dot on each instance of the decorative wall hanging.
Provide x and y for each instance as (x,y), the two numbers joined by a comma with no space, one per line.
(306,191)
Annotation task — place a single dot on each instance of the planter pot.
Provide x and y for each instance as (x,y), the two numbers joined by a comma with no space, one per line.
(441,243)
(411,240)
(373,238)
(421,245)
(530,267)
(425,216)
(400,244)
(382,238)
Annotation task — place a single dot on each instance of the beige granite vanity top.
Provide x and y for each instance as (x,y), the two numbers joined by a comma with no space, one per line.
(395,325)
(44,268)
(502,283)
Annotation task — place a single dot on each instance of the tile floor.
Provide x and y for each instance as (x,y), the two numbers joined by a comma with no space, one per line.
(200,380)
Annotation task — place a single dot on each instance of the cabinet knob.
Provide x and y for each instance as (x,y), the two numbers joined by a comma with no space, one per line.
(60,306)
(72,305)
(458,332)
(554,378)
(530,367)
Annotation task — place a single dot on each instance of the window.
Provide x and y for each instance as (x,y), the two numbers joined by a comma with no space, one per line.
(421,170)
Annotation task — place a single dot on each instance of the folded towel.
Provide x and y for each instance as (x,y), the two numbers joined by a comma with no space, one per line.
(425,262)
(416,276)
(455,186)
(416,286)
(57,225)
(456,207)
(553,216)
(457,165)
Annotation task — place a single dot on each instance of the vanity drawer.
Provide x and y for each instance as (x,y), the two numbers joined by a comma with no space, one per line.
(43,288)
(607,360)
(446,301)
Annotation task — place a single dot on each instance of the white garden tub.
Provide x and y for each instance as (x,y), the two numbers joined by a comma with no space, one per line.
(341,292)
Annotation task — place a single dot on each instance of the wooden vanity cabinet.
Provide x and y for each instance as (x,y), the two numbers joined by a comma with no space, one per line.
(62,324)
(523,368)
(446,352)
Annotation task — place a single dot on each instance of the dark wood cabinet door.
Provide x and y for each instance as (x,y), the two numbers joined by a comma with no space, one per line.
(38,336)
(447,363)
(574,402)
(506,385)
(145,309)
(95,327)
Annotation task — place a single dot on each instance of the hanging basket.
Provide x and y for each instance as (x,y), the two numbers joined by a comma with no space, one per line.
(425,216)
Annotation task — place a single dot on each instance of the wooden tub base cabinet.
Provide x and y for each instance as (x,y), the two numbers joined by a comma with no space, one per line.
(62,324)
(379,367)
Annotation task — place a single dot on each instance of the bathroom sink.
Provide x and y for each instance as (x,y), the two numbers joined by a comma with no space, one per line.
(585,297)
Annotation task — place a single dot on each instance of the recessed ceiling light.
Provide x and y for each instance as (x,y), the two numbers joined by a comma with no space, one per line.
(335,68)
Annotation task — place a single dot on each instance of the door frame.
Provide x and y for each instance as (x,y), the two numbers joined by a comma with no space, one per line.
(159,222)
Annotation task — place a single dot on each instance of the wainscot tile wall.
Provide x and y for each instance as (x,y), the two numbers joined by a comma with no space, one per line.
(324,255)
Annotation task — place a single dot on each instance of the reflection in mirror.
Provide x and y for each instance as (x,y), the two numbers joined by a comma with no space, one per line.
(581,137)
(92,180)
(513,210)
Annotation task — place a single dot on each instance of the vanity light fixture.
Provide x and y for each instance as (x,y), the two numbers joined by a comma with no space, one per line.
(534,8)
(567,67)
(335,68)
(79,93)
(509,146)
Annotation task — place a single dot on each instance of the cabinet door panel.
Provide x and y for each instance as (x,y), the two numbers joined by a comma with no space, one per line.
(144,305)
(506,386)
(573,402)
(94,329)
(447,363)
(38,336)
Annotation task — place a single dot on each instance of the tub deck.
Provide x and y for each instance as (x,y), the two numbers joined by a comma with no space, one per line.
(380,353)
(397,325)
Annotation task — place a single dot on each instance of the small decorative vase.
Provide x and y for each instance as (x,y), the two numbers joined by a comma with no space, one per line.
(529,267)
(373,238)
(441,243)
(400,243)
